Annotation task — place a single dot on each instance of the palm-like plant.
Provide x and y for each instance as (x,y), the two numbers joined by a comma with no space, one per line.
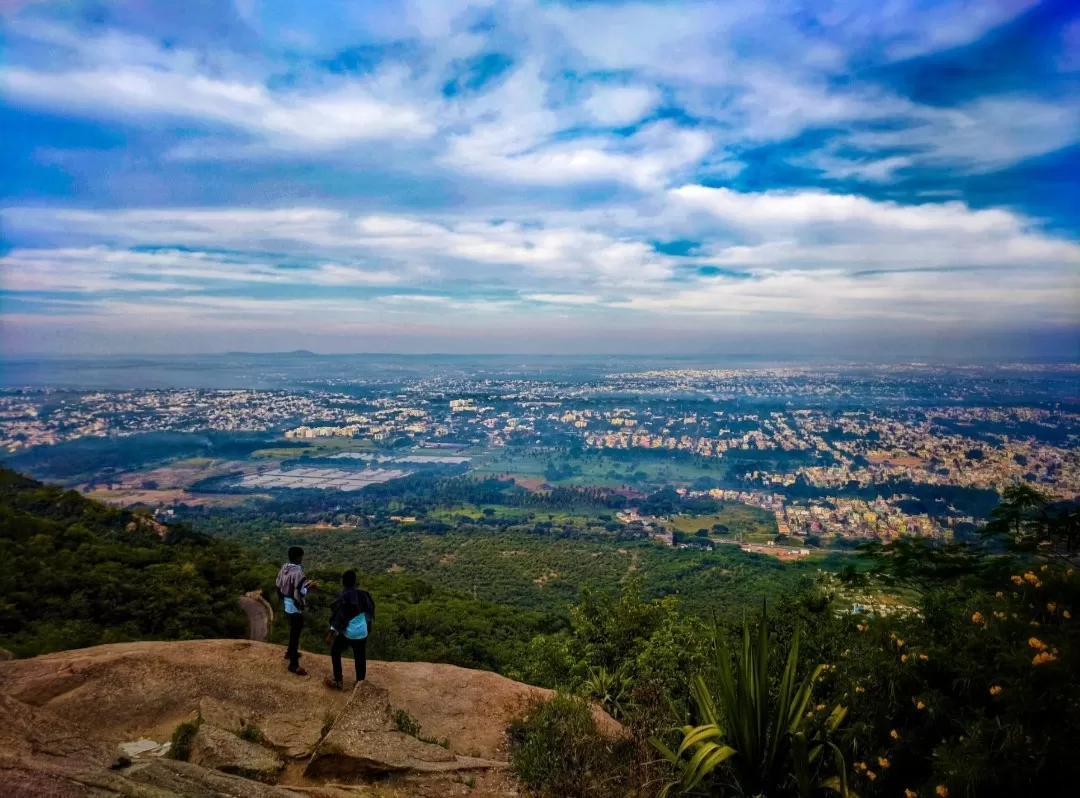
(608,688)
(765,741)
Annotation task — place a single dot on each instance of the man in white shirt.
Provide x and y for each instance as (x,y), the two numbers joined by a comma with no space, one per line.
(293,588)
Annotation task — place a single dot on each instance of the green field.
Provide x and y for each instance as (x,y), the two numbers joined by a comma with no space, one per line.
(541,571)
(752,523)
(595,469)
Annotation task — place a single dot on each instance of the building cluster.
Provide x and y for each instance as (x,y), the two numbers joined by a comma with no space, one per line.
(770,431)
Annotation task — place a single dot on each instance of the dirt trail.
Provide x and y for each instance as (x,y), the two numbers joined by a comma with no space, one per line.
(259,616)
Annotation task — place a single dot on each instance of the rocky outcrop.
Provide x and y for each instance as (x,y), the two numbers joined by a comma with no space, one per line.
(229,717)
(364,742)
(221,750)
(63,717)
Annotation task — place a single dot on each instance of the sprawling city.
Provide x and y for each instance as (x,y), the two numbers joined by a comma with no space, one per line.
(833,453)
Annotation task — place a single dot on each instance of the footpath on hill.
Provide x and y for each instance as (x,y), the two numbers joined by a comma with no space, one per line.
(259,613)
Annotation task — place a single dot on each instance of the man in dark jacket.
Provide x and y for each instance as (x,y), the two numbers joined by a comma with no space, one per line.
(351,617)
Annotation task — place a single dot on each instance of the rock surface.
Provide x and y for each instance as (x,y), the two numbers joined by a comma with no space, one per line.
(220,714)
(364,742)
(221,750)
(63,715)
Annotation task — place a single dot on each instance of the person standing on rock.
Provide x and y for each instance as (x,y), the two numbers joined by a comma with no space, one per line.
(293,588)
(351,617)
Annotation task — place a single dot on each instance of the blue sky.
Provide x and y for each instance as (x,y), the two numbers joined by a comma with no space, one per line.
(839,177)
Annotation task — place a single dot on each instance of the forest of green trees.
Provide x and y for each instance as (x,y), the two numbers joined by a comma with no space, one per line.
(770,690)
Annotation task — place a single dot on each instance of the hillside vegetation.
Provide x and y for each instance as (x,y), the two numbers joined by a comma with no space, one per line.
(972,691)
(78,573)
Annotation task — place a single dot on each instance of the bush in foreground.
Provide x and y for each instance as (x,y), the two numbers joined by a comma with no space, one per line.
(556,750)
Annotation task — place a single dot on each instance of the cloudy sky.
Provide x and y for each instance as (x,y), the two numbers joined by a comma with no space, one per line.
(848,177)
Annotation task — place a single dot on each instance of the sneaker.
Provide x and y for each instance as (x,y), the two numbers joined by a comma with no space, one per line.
(298,671)
(333,685)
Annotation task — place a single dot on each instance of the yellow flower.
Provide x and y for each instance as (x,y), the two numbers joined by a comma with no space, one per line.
(1069,572)
(1017,580)
(910,794)
(1036,643)
(819,707)
(894,734)
(899,643)
(1045,568)
(871,775)
(1038,583)
(883,761)
(1029,576)
(920,705)
(976,617)
(860,766)
(1043,657)
(923,657)
(1066,614)
(862,627)
(942,790)
(860,689)
(892,635)
(1050,605)
(995,690)
(903,657)
(810,714)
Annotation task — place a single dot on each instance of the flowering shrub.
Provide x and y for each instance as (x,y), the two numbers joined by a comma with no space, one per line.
(979,696)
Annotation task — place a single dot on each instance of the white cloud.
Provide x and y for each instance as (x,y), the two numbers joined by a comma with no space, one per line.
(102,269)
(345,114)
(647,160)
(803,254)
(621,105)
(982,136)
(785,208)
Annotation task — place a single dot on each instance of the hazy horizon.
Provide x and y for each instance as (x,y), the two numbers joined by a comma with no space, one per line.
(516,177)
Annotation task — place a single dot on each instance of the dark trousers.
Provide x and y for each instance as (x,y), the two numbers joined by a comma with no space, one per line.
(296,626)
(359,649)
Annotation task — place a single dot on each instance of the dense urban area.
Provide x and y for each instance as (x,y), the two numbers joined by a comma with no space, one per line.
(592,526)
(852,451)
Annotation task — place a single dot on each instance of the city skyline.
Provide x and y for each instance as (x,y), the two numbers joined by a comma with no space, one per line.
(515,177)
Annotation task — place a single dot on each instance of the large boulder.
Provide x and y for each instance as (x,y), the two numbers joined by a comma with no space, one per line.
(218,749)
(43,755)
(221,714)
(125,691)
(294,734)
(165,777)
(363,742)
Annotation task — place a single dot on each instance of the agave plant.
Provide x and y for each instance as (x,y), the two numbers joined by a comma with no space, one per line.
(761,732)
(607,688)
